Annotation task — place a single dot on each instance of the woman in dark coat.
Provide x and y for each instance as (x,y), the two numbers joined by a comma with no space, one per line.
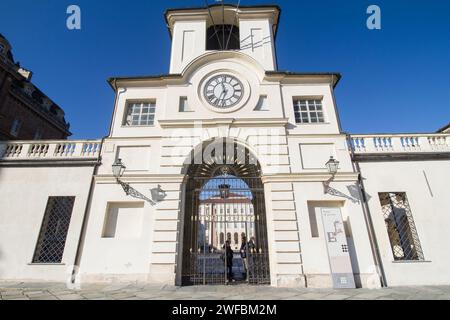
(229,256)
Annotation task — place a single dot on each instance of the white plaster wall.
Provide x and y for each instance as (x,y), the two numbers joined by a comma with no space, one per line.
(103,258)
(280,97)
(258,42)
(157,94)
(167,98)
(316,265)
(188,42)
(147,255)
(317,151)
(430,210)
(310,91)
(24,195)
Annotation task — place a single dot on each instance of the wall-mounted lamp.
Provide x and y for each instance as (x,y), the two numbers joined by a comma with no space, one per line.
(224,191)
(333,167)
(118,168)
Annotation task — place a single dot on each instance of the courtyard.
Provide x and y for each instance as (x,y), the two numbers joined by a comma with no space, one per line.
(135,291)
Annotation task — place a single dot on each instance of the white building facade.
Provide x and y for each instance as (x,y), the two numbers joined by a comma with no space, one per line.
(226,130)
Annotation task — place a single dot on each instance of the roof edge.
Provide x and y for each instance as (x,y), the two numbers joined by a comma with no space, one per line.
(273,6)
(112,80)
(441,130)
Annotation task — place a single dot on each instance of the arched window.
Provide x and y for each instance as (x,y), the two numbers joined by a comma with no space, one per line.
(222,238)
(236,238)
(229,236)
(223,37)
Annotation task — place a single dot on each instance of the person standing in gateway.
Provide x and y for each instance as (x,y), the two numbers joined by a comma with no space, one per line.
(229,260)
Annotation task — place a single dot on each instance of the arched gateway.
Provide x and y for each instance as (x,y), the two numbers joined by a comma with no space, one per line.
(224,203)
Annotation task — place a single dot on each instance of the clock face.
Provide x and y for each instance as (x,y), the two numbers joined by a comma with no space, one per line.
(223,91)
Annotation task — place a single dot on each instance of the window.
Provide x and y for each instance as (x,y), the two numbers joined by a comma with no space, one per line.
(222,236)
(184,105)
(263,104)
(140,114)
(53,234)
(308,111)
(38,135)
(400,226)
(236,238)
(15,128)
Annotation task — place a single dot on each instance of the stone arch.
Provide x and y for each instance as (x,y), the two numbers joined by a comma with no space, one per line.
(210,57)
(222,180)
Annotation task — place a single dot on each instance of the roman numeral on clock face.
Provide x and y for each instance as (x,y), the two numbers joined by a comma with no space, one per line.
(223,91)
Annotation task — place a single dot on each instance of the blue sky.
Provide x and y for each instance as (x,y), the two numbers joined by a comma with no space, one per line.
(394,80)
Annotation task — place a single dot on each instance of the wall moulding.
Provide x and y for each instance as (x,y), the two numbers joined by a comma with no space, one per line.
(214,122)
(310,177)
(140,178)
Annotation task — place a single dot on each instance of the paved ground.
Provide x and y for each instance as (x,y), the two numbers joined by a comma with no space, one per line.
(54,291)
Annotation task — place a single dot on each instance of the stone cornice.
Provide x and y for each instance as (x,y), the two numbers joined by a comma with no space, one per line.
(405,156)
(270,178)
(269,122)
(309,177)
(75,162)
(141,178)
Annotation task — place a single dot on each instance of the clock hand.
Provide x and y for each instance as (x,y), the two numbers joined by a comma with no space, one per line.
(223,101)
(218,100)
(222,83)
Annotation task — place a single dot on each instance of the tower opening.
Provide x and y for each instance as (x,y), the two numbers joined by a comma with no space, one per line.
(223,37)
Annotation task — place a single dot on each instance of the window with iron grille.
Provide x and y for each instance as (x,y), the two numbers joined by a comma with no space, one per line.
(140,114)
(400,226)
(15,127)
(53,234)
(308,111)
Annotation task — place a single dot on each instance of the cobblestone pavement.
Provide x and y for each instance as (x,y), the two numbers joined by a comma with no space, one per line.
(115,291)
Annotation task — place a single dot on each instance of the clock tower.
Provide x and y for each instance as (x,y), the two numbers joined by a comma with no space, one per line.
(249,30)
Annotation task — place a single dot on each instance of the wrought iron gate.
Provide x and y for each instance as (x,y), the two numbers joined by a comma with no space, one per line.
(219,209)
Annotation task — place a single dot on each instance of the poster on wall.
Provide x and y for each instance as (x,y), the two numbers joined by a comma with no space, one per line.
(338,253)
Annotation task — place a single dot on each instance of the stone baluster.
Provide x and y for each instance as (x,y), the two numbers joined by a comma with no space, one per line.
(38,150)
(437,143)
(90,149)
(12,150)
